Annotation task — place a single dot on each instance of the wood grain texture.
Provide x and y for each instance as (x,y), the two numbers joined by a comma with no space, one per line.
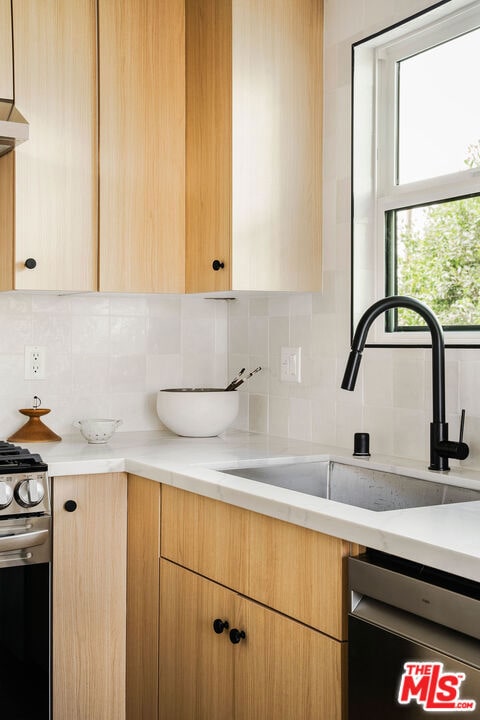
(208,144)
(254,144)
(142,145)
(196,664)
(297,571)
(194,527)
(143,556)
(56,169)
(6,55)
(7,219)
(277,144)
(285,670)
(89,597)
(281,670)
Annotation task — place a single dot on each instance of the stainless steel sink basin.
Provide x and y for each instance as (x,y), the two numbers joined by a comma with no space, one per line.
(361,487)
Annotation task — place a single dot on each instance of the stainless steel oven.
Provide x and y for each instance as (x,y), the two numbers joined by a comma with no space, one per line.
(414,641)
(25,582)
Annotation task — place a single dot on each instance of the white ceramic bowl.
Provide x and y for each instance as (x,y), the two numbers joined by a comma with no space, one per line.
(97,430)
(197,412)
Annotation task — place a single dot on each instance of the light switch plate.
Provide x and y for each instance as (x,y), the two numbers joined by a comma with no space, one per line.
(291,364)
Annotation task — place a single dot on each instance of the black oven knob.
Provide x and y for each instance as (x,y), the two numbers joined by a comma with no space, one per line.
(29,492)
(6,495)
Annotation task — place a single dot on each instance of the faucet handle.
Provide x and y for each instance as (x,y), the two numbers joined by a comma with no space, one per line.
(462,424)
(462,448)
(445,448)
(458,450)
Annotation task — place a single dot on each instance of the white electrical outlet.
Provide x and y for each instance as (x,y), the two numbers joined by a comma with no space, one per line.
(35,356)
(291,364)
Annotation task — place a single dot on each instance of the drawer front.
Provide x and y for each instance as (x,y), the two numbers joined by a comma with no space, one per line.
(296,571)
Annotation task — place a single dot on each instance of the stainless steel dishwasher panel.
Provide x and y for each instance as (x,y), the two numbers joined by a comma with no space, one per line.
(401,665)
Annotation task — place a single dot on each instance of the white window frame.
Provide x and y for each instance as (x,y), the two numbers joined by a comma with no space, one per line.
(374,190)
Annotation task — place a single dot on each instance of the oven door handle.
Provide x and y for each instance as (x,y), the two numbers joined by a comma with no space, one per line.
(23,540)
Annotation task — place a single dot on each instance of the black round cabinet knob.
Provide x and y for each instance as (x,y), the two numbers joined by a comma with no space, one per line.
(70,506)
(30,263)
(236,635)
(220,625)
(216,265)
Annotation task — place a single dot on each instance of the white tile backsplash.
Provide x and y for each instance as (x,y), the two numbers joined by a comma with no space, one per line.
(107,356)
(90,334)
(164,333)
(128,335)
(258,413)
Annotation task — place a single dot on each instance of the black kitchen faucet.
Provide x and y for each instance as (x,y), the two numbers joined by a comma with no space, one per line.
(441,448)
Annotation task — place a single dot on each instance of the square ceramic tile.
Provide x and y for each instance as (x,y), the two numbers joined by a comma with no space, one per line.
(300,419)
(163,334)
(128,305)
(90,304)
(278,413)
(258,413)
(90,334)
(127,335)
(163,371)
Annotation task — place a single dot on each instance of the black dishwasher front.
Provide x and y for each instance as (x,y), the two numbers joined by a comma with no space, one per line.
(414,641)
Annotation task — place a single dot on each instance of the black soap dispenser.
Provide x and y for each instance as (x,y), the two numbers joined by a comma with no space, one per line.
(361,444)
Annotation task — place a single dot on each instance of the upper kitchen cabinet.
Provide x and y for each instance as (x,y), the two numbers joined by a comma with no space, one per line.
(253,144)
(51,206)
(142,145)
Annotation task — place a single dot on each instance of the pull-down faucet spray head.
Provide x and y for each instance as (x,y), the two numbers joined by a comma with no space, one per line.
(351,370)
(440,447)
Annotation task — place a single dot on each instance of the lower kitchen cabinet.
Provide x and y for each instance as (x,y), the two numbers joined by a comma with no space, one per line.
(89,597)
(263,666)
(193,561)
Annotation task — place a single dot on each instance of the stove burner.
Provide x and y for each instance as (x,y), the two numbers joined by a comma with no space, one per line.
(14,458)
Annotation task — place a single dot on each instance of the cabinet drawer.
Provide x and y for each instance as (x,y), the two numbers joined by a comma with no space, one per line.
(297,571)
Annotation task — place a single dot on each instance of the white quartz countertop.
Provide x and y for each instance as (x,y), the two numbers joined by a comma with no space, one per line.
(443,536)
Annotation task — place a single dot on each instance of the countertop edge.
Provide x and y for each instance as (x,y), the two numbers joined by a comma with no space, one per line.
(445,536)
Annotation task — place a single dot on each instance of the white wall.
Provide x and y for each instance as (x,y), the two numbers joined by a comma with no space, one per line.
(392,399)
(107,355)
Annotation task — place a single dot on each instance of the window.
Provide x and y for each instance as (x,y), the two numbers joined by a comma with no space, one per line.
(416,173)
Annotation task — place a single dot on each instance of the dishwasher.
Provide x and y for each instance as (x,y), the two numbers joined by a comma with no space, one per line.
(414,641)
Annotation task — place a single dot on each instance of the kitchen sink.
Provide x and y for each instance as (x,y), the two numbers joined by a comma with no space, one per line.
(358,486)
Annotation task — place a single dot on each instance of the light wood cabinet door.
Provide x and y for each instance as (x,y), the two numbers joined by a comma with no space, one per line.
(196,667)
(278,671)
(89,597)
(285,670)
(253,144)
(56,168)
(300,572)
(142,145)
